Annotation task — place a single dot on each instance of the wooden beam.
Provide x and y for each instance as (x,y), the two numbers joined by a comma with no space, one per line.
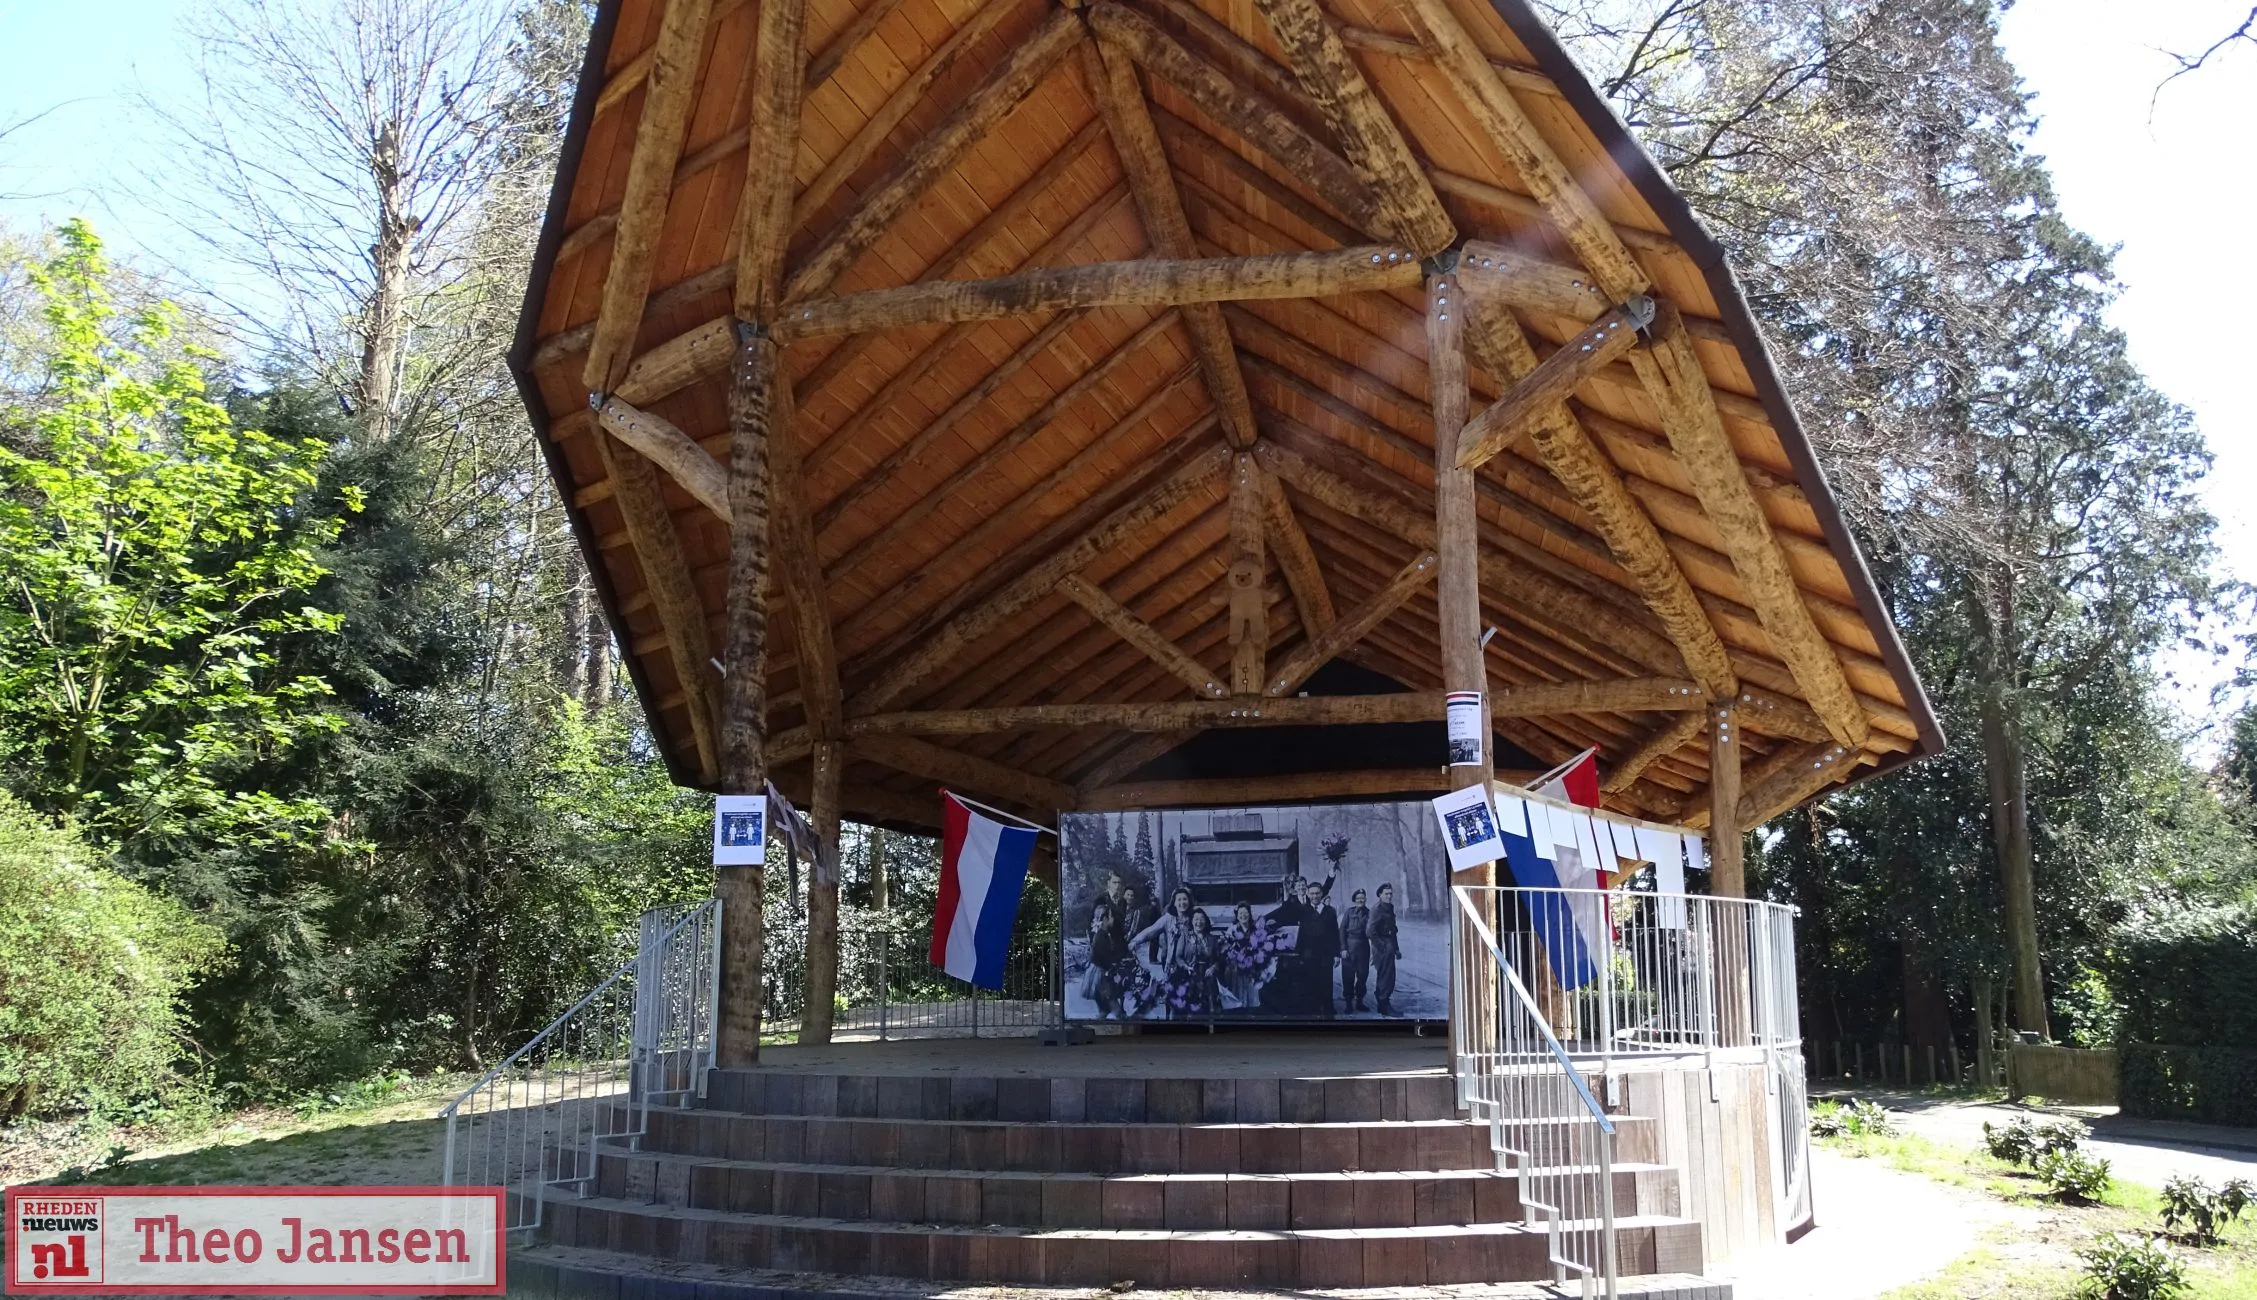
(1727,877)
(1540,391)
(1591,478)
(963,771)
(1673,377)
(694,354)
(820,68)
(666,575)
(953,638)
(981,468)
(879,126)
(1167,231)
(1501,118)
(1164,652)
(1369,613)
(1244,114)
(1456,525)
(1185,138)
(1522,208)
(1498,273)
(1144,282)
(800,567)
(1627,695)
(889,397)
(1312,600)
(1243,580)
(764,204)
(672,450)
(650,181)
(1164,715)
(1663,741)
(1515,75)
(935,153)
(1234,791)
(1375,147)
(1791,776)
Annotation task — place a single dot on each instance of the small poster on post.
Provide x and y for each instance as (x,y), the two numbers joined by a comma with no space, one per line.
(1461,710)
(740,830)
(1469,827)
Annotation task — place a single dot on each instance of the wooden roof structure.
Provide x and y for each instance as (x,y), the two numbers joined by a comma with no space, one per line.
(1072,375)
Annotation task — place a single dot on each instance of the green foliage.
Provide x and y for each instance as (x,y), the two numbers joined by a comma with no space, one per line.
(2188,1037)
(2023,1141)
(2123,1267)
(2072,1175)
(151,562)
(1861,1118)
(92,966)
(2199,1213)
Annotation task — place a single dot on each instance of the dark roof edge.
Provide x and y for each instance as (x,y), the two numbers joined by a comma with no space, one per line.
(1677,215)
(521,350)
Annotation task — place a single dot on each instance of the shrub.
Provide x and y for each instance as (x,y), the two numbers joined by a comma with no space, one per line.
(2072,1175)
(1858,1119)
(2023,1141)
(91,970)
(2130,1268)
(2204,1213)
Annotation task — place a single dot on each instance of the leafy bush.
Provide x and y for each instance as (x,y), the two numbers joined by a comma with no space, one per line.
(91,970)
(2023,1141)
(2211,1084)
(2191,1208)
(2130,1268)
(2072,1175)
(2189,1031)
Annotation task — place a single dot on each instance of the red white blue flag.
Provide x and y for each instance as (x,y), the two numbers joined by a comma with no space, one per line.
(983,870)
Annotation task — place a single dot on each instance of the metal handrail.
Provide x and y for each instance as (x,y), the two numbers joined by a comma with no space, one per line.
(535,1120)
(1544,1123)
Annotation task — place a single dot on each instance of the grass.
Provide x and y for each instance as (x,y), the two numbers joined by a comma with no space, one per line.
(2040,1263)
(381,1134)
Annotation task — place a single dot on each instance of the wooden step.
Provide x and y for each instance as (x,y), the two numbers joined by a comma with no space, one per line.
(1322,1257)
(1096,1148)
(1076,1100)
(1340,1199)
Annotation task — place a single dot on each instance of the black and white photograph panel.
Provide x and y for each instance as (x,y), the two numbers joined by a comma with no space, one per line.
(1330,912)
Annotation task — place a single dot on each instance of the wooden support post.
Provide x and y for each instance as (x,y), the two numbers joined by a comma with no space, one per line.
(1456,526)
(1540,392)
(823,898)
(1249,612)
(1726,877)
(671,450)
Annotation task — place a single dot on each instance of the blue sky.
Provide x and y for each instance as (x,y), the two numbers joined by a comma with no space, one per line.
(2170,178)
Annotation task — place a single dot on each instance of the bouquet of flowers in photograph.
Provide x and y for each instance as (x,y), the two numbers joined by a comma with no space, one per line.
(1253,952)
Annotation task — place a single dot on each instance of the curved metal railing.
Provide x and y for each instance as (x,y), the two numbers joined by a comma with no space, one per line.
(643,1035)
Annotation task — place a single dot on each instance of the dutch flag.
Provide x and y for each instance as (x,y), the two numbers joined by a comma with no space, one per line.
(983,870)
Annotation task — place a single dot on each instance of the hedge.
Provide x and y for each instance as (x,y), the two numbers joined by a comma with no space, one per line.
(2189,1038)
(2211,1085)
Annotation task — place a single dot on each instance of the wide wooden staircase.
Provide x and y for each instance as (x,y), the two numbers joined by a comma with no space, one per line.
(1213,1183)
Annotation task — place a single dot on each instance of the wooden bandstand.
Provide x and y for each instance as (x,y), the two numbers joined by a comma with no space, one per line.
(1127,403)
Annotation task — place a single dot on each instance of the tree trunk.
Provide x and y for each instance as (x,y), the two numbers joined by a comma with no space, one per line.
(572,658)
(386,319)
(1986,1037)
(1927,1016)
(823,899)
(881,888)
(2003,763)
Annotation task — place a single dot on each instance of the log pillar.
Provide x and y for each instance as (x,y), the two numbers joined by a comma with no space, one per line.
(744,694)
(823,897)
(1249,611)
(1726,873)
(1458,576)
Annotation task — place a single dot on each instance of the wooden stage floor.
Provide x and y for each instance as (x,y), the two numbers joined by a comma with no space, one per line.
(1254,1054)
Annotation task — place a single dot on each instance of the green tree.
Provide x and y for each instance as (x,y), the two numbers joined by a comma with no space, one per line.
(92,966)
(151,558)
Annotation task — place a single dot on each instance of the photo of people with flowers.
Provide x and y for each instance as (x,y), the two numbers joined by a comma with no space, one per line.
(1254,914)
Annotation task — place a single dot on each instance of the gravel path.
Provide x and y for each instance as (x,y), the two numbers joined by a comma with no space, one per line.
(2140,1151)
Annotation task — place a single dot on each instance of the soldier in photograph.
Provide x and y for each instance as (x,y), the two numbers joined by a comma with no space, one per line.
(1385,948)
(1355,953)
